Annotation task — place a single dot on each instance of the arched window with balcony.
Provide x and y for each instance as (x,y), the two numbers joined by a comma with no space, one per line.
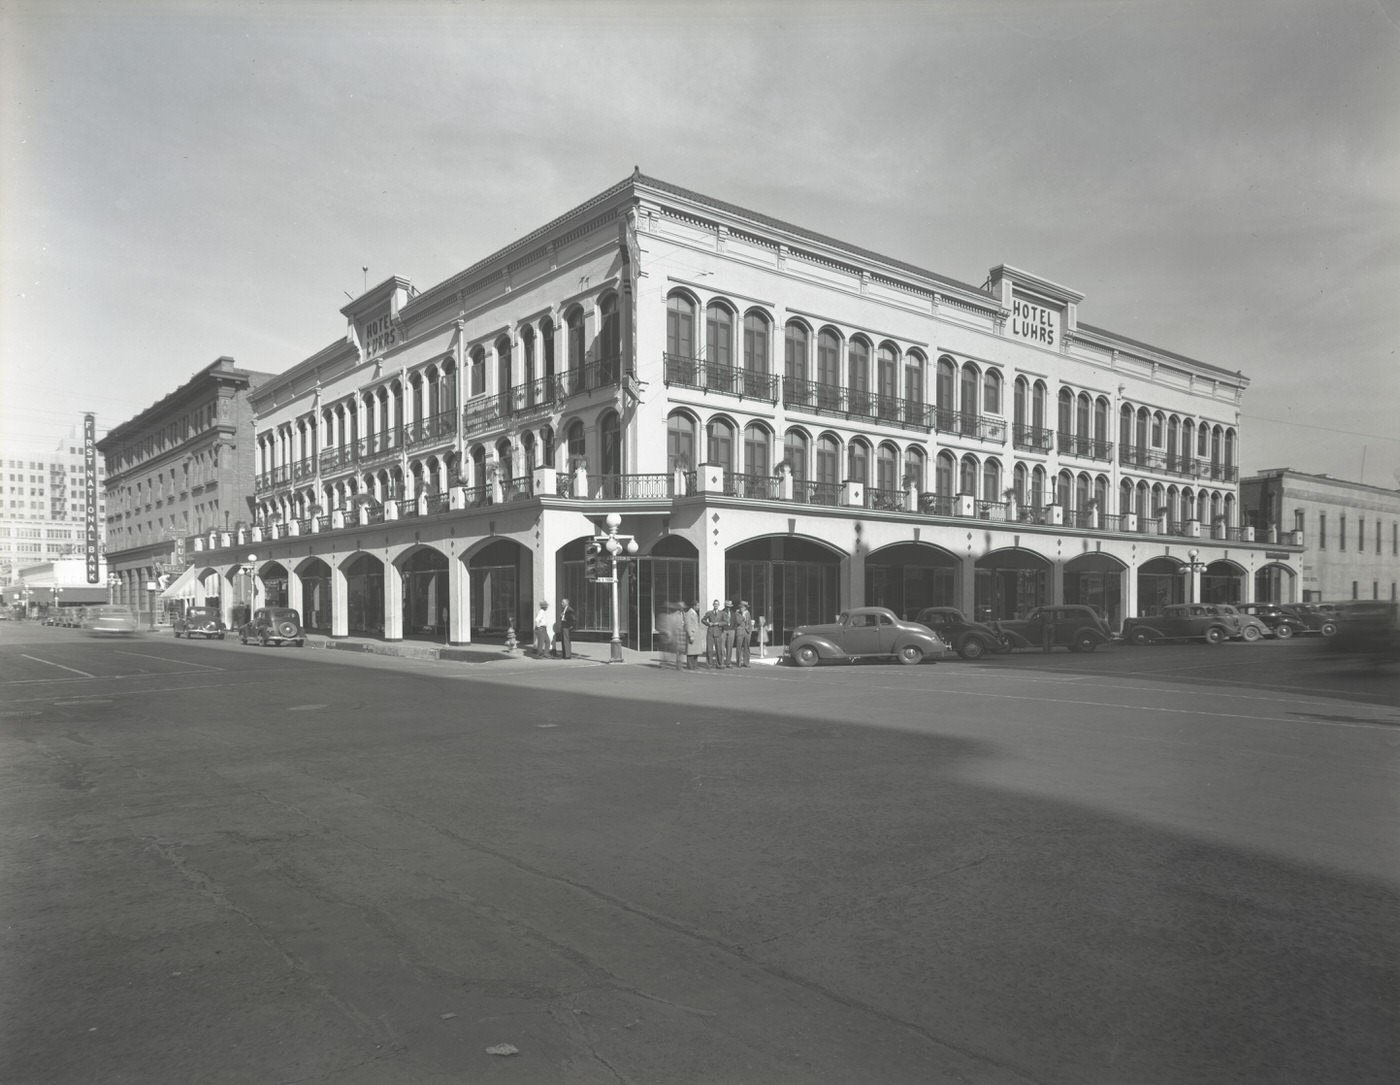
(1159,423)
(915,468)
(858,462)
(1215,447)
(991,479)
(967,395)
(858,374)
(505,459)
(1038,491)
(1064,490)
(828,368)
(502,372)
(1188,440)
(527,357)
(1173,440)
(577,344)
(1101,434)
(680,441)
(1038,394)
(828,463)
(1083,489)
(991,392)
(967,475)
(887,467)
(719,440)
(609,340)
(1064,422)
(1203,441)
(758,450)
(1126,492)
(757,334)
(478,372)
(795,352)
(1125,432)
(1083,429)
(1019,482)
(914,364)
(946,393)
(719,339)
(1230,447)
(887,378)
(944,472)
(1018,404)
(1186,505)
(574,444)
(1101,493)
(1140,437)
(610,442)
(795,451)
(548,370)
(680,326)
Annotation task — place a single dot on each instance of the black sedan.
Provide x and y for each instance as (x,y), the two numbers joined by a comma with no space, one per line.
(199,622)
(273,625)
(1078,628)
(971,640)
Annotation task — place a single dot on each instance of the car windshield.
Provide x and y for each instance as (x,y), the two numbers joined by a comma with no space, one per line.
(111,612)
(200,612)
(279,614)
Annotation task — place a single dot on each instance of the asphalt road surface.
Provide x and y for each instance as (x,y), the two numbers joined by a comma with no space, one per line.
(1148,865)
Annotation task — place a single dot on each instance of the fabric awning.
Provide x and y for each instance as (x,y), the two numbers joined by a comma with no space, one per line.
(183,586)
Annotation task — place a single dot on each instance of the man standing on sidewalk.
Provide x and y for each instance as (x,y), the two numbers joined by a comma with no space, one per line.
(714,621)
(743,632)
(565,628)
(727,648)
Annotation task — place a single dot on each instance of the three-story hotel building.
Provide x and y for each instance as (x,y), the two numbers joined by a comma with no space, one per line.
(774,415)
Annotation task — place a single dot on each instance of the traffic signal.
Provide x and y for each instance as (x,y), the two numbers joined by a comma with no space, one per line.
(595,561)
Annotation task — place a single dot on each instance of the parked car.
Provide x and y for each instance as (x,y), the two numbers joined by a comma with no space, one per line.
(113,621)
(1368,629)
(199,622)
(1244,626)
(1281,621)
(1320,618)
(273,625)
(1180,621)
(969,639)
(1076,627)
(864,632)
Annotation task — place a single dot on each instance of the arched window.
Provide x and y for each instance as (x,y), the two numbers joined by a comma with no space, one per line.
(1202,441)
(944,468)
(1125,497)
(527,355)
(719,338)
(547,446)
(887,379)
(1038,487)
(573,443)
(967,398)
(1229,448)
(1083,410)
(828,369)
(1019,482)
(680,328)
(756,335)
(1064,483)
(795,352)
(477,375)
(967,476)
(1140,437)
(915,468)
(991,392)
(1082,491)
(828,461)
(795,446)
(547,345)
(1065,421)
(1215,447)
(946,392)
(886,467)
(609,340)
(680,441)
(758,451)
(1187,504)
(502,370)
(914,385)
(1101,492)
(577,348)
(610,438)
(1158,426)
(1125,431)
(1018,416)
(858,462)
(1101,436)
(991,480)
(1188,440)
(1173,436)
(719,437)
(858,373)
(505,458)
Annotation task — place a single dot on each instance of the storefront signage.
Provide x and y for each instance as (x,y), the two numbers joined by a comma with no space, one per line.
(90,540)
(1271,555)
(1034,323)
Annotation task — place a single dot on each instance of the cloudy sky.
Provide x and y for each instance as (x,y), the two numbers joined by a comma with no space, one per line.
(186,180)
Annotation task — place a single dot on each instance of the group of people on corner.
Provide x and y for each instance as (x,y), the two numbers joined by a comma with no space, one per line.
(723,632)
(554,639)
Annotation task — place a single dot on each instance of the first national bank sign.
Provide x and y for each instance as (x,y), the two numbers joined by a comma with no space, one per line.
(1034,323)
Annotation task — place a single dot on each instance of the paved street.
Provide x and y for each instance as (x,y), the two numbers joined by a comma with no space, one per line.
(1147,865)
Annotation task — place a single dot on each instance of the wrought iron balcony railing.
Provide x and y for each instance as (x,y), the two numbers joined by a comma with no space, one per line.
(685,372)
(981,427)
(1032,438)
(1074,444)
(817,398)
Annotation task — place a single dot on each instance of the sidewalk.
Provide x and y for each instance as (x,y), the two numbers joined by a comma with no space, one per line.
(585,653)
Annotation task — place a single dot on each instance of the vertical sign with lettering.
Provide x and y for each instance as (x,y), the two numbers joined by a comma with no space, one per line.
(90,548)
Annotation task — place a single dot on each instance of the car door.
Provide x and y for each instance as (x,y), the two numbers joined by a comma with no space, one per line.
(862,635)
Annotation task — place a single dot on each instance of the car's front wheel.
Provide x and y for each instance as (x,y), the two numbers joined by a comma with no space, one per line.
(1329,629)
(1140,636)
(806,656)
(1283,631)
(910,654)
(1085,643)
(1251,633)
(972,648)
(1214,635)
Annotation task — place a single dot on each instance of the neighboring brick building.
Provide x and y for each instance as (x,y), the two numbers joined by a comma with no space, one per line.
(1350,531)
(181,467)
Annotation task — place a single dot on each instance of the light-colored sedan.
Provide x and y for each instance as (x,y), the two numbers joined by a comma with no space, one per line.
(863,632)
(111,622)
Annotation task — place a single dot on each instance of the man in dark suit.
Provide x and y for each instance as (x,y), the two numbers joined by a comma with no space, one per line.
(564,628)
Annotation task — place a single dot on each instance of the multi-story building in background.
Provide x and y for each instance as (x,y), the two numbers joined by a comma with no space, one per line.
(770,414)
(182,466)
(42,517)
(1350,531)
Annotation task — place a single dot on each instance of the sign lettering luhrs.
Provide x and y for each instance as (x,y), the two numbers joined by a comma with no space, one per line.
(91,549)
(1034,323)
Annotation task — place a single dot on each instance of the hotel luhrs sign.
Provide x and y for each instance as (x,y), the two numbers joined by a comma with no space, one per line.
(1034,322)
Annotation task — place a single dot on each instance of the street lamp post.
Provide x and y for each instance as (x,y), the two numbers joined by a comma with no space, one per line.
(151,599)
(1190,568)
(247,569)
(113,583)
(618,548)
